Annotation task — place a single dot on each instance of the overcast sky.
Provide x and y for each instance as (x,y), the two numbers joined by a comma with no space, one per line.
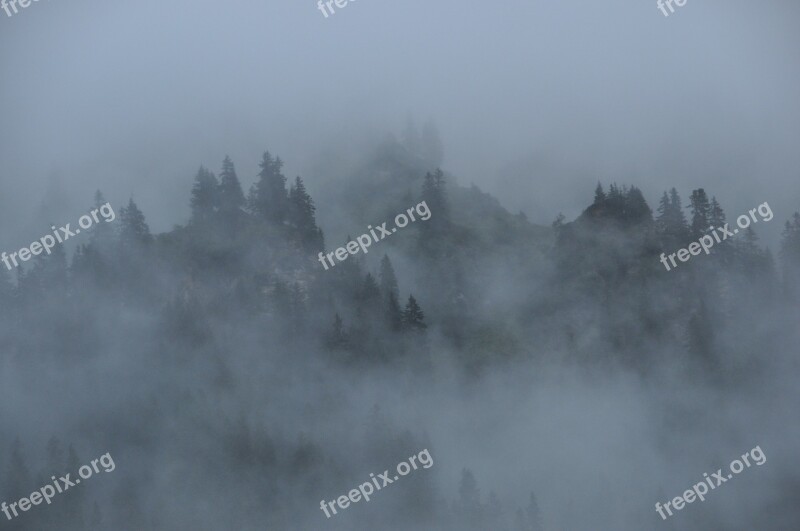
(535,100)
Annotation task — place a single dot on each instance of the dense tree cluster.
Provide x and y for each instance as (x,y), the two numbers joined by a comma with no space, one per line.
(495,289)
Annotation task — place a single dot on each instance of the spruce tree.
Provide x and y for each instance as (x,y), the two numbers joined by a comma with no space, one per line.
(599,194)
(701,214)
(413,317)
(435,195)
(671,222)
(205,198)
(133,227)
(231,197)
(268,198)
(301,215)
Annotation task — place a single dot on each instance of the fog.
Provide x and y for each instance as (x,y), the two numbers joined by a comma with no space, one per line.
(557,360)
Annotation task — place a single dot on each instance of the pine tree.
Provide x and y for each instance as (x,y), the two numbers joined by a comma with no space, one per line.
(701,214)
(671,222)
(599,194)
(717,215)
(469,505)
(413,317)
(301,215)
(205,198)
(268,198)
(435,194)
(533,514)
(134,229)
(663,214)
(388,278)
(637,211)
(231,197)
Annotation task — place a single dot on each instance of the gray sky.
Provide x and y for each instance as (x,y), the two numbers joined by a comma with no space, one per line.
(535,100)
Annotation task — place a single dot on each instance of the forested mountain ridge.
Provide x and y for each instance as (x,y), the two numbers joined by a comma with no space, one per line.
(216,335)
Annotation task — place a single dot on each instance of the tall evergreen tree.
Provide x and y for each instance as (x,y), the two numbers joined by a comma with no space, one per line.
(268,198)
(434,193)
(701,214)
(469,507)
(302,217)
(533,514)
(599,194)
(205,198)
(671,222)
(133,227)
(637,211)
(231,197)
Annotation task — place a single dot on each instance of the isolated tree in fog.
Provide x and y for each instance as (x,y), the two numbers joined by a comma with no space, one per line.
(533,514)
(205,196)
(413,318)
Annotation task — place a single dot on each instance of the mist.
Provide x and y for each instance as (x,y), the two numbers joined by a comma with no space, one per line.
(526,335)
